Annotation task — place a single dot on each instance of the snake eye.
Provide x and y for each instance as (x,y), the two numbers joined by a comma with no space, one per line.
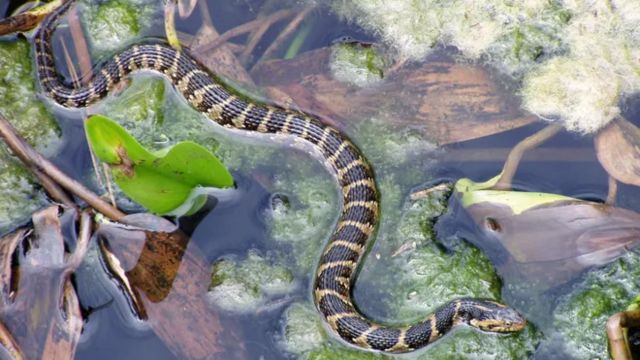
(492,224)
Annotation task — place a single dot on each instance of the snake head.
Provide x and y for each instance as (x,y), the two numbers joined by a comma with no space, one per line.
(492,316)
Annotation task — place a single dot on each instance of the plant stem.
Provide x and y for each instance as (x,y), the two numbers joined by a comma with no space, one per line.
(40,164)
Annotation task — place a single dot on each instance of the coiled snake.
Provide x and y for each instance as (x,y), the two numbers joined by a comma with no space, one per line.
(339,262)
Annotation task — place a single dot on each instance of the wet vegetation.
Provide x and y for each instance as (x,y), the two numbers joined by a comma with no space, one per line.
(426,104)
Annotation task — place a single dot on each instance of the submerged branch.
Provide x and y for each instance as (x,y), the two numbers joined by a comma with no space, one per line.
(237,31)
(284,35)
(80,47)
(513,160)
(258,33)
(34,160)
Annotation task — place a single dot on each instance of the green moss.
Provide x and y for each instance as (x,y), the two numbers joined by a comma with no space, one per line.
(114,23)
(582,314)
(356,64)
(300,222)
(20,105)
(242,286)
(18,97)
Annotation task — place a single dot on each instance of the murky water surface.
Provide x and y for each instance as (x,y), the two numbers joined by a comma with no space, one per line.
(230,228)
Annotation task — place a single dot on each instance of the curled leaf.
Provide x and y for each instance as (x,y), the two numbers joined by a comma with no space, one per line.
(618,150)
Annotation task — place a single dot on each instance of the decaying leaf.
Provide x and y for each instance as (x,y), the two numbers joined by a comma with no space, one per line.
(38,305)
(170,277)
(448,101)
(618,150)
(554,241)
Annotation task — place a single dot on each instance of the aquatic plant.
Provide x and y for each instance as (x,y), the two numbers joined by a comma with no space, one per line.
(19,102)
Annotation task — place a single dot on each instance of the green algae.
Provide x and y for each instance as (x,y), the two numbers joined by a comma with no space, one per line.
(581,315)
(243,285)
(20,105)
(356,64)
(115,23)
(302,219)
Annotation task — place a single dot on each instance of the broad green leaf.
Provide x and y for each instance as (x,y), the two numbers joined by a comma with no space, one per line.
(160,181)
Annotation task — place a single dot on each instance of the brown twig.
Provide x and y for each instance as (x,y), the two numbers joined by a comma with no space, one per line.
(33,159)
(72,69)
(615,332)
(284,35)
(257,34)
(229,34)
(513,160)
(80,47)
(53,189)
(28,19)
(613,191)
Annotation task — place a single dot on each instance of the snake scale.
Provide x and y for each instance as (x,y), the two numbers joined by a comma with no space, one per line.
(360,207)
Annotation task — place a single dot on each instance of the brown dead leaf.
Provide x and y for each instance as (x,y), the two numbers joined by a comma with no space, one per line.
(170,277)
(618,150)
(556,242)
(40,309)
(448,101)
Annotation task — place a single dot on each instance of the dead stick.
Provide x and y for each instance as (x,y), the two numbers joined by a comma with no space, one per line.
(613,191)
(53,189)
(236,31)
(615,332)
(258,33)
(513,160)
(33,159)
(284,35)
(80,47)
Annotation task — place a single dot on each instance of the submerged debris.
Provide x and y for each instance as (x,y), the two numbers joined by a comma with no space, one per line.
(576,58)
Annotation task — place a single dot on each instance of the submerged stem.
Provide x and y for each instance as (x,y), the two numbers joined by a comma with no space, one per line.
(34,160)
(513,160)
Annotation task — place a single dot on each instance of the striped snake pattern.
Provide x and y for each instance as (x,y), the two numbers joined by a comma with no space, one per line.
(359,216)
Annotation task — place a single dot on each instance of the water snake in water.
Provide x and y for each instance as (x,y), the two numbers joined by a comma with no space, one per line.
(338,265)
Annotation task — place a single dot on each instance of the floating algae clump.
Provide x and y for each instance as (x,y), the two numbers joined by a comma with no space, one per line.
(114,23)
(242,286)
(581,317)
(19,104)
(356,64)
(576,58)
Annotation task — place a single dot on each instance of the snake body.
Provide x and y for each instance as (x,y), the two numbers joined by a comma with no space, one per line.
(360,210)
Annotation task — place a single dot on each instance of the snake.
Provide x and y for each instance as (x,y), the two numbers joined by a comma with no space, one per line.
(360,211)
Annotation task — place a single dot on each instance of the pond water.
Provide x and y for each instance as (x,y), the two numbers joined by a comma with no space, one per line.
(285,203)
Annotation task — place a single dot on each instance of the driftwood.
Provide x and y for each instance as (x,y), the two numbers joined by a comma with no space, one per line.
(169,277)
(449,102)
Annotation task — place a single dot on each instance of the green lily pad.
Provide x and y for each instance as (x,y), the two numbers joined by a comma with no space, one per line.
(160,181)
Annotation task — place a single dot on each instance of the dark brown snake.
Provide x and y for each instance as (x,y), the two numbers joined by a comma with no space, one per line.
(339,262)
